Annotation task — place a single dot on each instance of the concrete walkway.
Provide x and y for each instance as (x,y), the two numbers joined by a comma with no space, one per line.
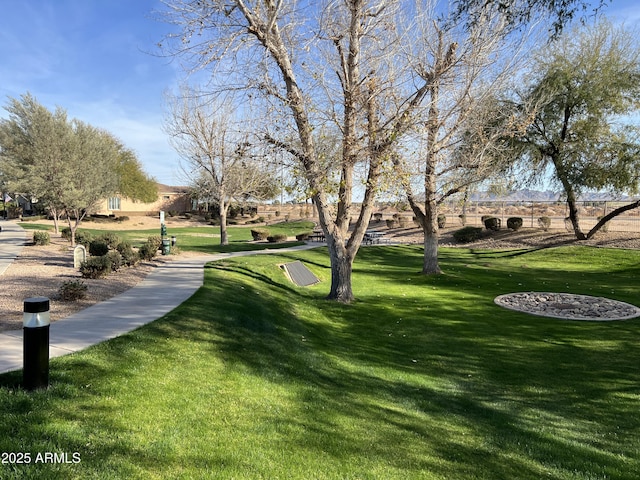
(160,292)
(12,239)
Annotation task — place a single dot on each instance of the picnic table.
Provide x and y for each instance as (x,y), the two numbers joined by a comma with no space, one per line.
(317,237)
(372,236)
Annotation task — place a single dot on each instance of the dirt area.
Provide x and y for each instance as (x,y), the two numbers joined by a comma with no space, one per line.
(39,271)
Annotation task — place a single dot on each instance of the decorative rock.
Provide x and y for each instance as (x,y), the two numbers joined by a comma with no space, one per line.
(568,306)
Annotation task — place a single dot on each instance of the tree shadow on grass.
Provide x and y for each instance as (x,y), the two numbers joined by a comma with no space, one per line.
(427,387)
(380,388)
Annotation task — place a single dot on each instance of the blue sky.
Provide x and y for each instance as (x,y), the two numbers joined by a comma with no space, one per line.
(93,58)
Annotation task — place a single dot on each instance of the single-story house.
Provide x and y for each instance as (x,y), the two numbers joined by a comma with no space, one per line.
(170,199)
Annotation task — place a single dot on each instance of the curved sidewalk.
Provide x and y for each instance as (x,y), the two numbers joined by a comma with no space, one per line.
(12,239)
(160,292)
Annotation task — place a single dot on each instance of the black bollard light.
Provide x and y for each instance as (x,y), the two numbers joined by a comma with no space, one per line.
(35,323)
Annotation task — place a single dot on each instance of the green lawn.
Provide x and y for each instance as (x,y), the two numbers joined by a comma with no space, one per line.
(205,239)
(422,377)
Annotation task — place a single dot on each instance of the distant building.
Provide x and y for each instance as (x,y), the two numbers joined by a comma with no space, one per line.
(170,199)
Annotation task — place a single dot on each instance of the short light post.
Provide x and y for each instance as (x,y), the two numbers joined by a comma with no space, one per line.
(36,321)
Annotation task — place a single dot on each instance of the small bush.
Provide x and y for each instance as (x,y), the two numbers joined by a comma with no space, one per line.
(130,258)
(83,238)
(111,239)
(259,234)
(98,248)
(467,234)
(155,241)
(122,218)
(391,223)
(463,219)
(514,223)
(377,217)
(301,237)
(544,223)
(492,223)
(403,222)
(66,233)
(41,238)
(149,249)
(72,290)
(442,220)
(279,237)
(115,260)
(95,267)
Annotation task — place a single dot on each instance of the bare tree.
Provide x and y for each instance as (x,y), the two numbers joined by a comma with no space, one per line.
(313,65)
(455,142)
(211,140)
(343,65)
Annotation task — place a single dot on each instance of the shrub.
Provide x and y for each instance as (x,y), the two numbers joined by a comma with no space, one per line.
(72,290)
(544,223)
(279,237)
(467,234)
(41,238)
(391,223)
(514,223)
(98,248)
(377,217)
(403,222)
(442,220)
(110,238)
(150,248)
(492,223)
(95,267)
(463,219)
(301,237)
(122,218)
(259,233)
(484,217)
(83,238)
(155,241)
(129,257)
(66,233)
(115,260)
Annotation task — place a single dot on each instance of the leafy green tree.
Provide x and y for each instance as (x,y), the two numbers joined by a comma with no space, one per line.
(583,91)
(67,165)
(133,182)
(34,146)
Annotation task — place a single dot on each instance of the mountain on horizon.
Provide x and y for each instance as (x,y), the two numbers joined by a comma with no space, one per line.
(527,195)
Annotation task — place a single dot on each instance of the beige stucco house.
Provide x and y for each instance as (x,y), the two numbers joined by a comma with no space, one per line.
(170,199)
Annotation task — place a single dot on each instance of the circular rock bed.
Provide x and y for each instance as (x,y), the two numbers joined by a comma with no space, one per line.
(568,306)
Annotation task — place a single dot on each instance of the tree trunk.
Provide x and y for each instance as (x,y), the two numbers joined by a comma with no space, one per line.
(56,219)
(573,215)
(341,267)
(224,236)
(73,228)
(571,197)
(430,262)
(611,215)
